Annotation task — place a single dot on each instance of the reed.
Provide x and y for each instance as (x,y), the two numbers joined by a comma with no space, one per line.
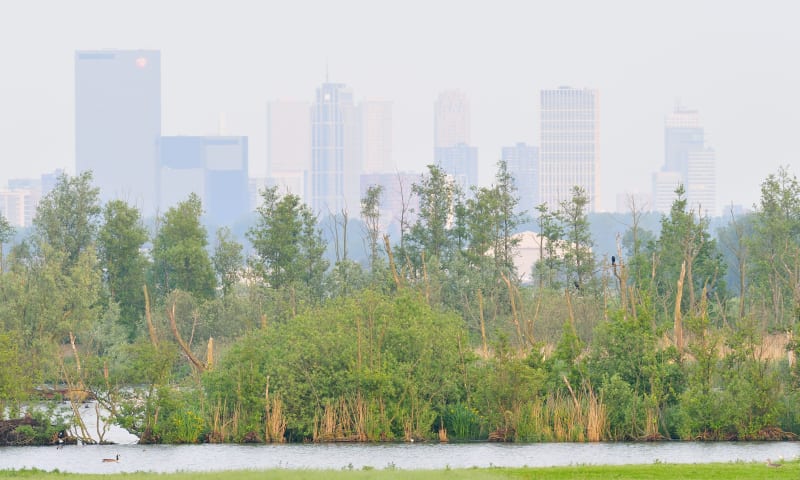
(580,417)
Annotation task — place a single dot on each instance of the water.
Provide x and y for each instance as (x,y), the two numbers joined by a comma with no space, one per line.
(195,458)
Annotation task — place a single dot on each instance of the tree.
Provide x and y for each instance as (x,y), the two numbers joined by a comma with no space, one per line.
(685,240)
(430,235)
(579,260)
(67,217)
(180,259)
(775,247)
(492,222)
(228,259)
(6,233)
(371,216)
(289,246)
(551,235)
(120,241)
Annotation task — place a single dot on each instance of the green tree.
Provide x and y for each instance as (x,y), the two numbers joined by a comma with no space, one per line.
(775,249)
(371,216)
(579,260)
(67,217)
(492,222)
(180,258)
(6,233)
(551,235)
(288,244)
(120,242)
(228,259)
(430,235)
(685,239)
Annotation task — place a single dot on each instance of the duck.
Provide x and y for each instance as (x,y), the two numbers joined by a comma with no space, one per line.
(770,464)
(111,460)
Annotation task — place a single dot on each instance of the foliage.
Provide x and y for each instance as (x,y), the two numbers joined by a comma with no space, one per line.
(120,241)
(66,218)
(392,352)
(180,259)
(228,260)
(288,244)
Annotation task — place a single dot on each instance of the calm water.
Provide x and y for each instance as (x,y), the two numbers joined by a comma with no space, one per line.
(161,458)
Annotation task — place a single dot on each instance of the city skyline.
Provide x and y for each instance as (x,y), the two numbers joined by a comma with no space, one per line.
(729,62)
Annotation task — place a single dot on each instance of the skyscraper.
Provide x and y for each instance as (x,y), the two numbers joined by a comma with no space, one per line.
(569,153)
(701,182)
(452,151)
(682,134)
(451,120)
(118,122)
(687,161)
(375,119)
(522,162)
(335,162)
(289,145)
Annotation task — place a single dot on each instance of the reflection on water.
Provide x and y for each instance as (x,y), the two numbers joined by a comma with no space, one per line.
(166,458)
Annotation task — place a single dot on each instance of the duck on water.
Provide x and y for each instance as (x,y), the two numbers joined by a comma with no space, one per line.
(111,460)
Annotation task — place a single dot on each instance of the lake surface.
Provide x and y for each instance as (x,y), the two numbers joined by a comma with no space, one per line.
(169,458)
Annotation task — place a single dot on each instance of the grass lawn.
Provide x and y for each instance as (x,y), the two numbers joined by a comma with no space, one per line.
(721,471)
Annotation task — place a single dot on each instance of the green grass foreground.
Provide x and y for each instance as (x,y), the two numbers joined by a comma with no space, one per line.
(721,471)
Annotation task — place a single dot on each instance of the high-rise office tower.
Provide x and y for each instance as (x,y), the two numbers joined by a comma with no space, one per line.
(687,161)
(213,167)
(118,122)
(289,145)
(451,121)
(375,119)
(701,182)
(335,159)
(682,134)
(522,162)
(569,152)
(452,151)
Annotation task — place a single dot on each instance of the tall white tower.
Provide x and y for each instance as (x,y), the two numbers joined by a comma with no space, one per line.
(569,152)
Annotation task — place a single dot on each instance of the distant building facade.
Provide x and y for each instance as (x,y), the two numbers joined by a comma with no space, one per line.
(452,151)
(688,162)
(522,162)
(451,119)
(118,122)
(18,206)
(213,167)
(569,153)
(461,163)
(335,157)
(289,145)
(375,119)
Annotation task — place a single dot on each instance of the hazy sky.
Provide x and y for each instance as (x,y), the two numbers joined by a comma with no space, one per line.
(736,62)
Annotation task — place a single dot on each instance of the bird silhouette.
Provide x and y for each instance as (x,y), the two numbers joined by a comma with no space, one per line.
(613,260)
(111,460)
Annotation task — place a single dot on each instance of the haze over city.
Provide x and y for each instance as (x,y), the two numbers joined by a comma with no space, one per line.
(732,62)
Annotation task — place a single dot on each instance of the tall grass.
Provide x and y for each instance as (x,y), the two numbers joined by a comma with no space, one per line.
(561,418)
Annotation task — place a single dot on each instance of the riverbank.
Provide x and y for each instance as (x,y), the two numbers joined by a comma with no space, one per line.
(657,471)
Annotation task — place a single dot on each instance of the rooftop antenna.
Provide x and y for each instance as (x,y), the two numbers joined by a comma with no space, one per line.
(221,124)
